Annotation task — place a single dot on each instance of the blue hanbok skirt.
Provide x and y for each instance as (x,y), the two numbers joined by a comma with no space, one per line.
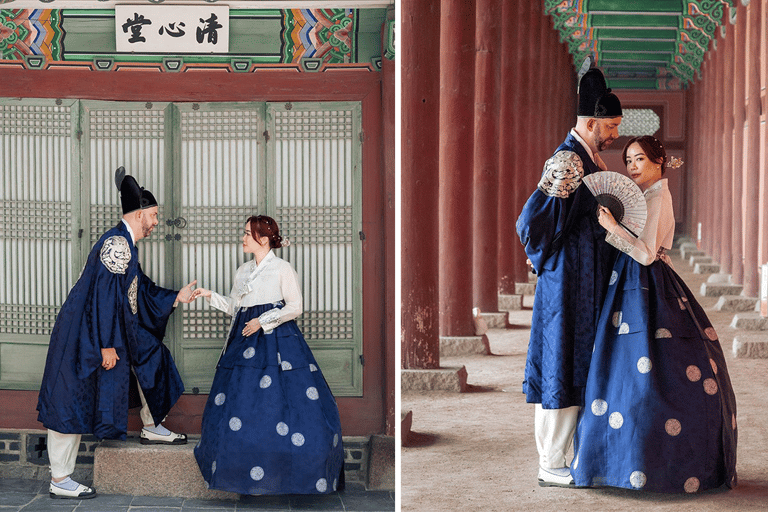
(660,413)
(271,424)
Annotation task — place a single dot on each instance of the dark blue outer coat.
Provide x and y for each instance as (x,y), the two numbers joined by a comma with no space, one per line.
(566,246)
(77,395)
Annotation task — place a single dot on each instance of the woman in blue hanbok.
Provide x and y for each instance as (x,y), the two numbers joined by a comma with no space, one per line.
(271,424)
(660,413)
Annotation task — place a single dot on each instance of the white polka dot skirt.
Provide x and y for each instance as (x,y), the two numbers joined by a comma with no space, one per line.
(271,424)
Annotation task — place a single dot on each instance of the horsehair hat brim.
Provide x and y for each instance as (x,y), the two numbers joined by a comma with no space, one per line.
(595,98)
(132,196)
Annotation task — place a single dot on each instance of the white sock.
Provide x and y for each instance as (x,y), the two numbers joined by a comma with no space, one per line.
(159,430)
(67,484)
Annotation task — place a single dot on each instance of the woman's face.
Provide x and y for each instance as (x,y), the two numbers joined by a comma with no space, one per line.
(641,169)
(251,244)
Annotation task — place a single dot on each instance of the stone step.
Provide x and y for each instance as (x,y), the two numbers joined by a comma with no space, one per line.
(706,268)
(736,303)
(720,289)
(406,422)
(699,259)
(750,322)
(687,253)
(720,278)
(440,379)
(510,302)
(131,468)
(686,244)
(496,320)
(525,288)
(464,345)
(750,346)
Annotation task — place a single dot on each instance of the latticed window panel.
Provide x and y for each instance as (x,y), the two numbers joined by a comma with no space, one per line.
(314,124)
(327,325)
(27,319)
(637,122)
(132,137)
(207,125)
(36,120)
(36,213)
(316,225)
(206,324)
(128,124)
(35,220)
(215,225)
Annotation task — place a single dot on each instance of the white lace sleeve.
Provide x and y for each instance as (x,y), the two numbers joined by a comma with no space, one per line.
(620,243)
(223,303)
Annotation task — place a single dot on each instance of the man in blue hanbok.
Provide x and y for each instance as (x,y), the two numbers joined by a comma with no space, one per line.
(564,243)
(107,339)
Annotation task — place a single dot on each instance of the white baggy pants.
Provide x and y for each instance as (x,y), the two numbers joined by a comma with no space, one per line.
(63,448)
(554,429)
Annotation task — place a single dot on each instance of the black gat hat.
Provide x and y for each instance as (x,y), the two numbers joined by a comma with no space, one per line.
(132,196)
(595,98)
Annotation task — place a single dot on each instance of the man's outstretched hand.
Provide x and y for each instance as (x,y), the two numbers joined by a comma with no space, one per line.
(185,294)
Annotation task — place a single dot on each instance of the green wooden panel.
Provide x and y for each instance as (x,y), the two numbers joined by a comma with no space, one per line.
(623,5)
(645,34)
(315,191)
(22,362)
(665,47)
(219,181)
(210,166)
(632,21)
(38,193)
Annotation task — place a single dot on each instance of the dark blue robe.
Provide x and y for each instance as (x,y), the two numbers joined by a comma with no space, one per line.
(112,305)
(562,238)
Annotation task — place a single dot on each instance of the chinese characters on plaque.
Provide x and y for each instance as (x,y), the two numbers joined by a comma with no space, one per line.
(172,28)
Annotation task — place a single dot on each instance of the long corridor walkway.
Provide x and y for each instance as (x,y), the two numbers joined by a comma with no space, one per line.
(475,451)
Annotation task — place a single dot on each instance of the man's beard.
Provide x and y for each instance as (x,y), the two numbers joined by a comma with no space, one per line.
(146,230)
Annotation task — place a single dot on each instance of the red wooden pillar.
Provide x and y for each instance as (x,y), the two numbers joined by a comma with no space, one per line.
(457,52)
(717,169)
(420,86)
(752,192)
(726,145)
(509,255)
(486,158)
(540,95)
(388,120)
(706,164)
(763,224)
(739,95)
(702,132)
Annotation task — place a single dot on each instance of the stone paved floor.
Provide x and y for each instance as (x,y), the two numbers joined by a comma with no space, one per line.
(18,495)
(475,451)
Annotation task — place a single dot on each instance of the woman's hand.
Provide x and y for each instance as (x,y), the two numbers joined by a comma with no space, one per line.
(201,292)
(109,358)
(605,218)
(251,327)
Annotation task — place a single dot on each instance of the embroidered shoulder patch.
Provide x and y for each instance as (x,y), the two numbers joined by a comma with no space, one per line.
(116,254)
(562,174)
(133,292)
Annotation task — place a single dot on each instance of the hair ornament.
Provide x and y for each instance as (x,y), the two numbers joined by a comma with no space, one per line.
(285,242)
(674,162)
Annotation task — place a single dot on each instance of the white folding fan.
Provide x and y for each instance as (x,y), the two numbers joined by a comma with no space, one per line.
(622,196)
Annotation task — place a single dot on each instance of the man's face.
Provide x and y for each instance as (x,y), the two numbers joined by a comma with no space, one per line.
(148,221)
(605,132)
